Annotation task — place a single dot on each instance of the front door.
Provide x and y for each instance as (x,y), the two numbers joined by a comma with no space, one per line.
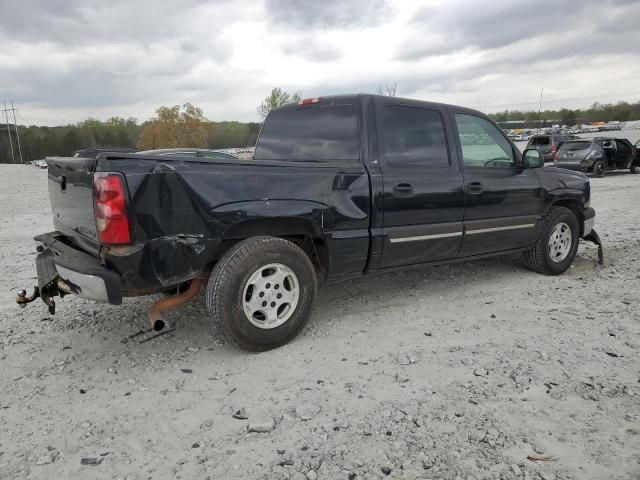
(423,199)
(502,200)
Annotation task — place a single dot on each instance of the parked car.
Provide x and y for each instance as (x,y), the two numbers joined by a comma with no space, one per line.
(340,186)
(548,144)
(40,163)
(598,155)
(190,152)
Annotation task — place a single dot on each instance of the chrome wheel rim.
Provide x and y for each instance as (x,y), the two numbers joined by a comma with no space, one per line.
(270,295)
(560,242)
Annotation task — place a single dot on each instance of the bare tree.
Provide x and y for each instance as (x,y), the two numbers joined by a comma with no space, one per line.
(389,89)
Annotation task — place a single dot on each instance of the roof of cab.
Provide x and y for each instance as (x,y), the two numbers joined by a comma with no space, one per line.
(345,98)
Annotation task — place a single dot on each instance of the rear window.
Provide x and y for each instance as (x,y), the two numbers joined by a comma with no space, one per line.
(319,132)
(539,141)
(570,146)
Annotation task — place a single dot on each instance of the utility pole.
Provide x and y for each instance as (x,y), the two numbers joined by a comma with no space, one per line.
(539,110)
(15,125)
(6,116)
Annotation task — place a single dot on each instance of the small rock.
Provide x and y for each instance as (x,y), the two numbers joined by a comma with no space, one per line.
(195,445)
(241,414)
(265,425)
(351,476)
(611,354)
(481,372)
(385,470)
(307,412)
(91,461)
(186,370)
(404,360)
(51,455)
(280,451)
(312,475)
(547,476)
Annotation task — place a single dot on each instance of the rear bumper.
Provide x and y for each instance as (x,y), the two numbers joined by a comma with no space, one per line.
(75,271)
(589,215)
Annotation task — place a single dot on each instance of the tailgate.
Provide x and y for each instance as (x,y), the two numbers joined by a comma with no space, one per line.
(71,196)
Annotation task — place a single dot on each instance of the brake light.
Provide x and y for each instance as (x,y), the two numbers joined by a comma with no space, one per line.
(110,208)
(309,101)
(554,149)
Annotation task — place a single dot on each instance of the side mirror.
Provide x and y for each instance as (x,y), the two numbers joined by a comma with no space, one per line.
(531,158)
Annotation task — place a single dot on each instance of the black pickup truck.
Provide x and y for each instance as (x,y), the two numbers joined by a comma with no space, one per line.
(340,186)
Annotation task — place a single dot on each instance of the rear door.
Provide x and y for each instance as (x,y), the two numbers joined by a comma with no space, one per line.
(502,199)
(624,153)
(423,199)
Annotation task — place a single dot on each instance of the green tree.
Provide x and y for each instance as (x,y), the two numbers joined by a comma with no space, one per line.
(277,98)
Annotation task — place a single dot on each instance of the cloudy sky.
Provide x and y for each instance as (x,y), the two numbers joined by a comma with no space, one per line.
(64,60)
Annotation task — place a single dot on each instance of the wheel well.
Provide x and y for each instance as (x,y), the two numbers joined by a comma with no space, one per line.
(575,206)
(305,234)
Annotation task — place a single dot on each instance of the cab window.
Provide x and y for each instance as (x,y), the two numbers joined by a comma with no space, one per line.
(483,145)
(414,136)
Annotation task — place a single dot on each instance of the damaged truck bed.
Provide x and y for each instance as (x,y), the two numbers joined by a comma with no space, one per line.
(340,186)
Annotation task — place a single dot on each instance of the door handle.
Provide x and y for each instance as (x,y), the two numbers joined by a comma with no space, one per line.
(474,188)
(403,190)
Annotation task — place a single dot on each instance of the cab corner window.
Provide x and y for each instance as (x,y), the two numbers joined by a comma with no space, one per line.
(414,136)
(483,145)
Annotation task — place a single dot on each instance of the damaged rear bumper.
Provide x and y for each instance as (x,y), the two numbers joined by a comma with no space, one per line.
(63,269)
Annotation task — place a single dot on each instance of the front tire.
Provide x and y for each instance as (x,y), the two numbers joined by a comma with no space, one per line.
(556,243)
(260,293)
(635,169)
(599,169)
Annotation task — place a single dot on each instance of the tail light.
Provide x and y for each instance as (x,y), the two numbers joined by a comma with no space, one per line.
(110,207)
(554,149)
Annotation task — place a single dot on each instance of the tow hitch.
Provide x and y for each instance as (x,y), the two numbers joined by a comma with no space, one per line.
(46,294)
(22,299)
(595,238)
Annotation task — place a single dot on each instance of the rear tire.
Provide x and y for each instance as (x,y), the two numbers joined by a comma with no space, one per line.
(260,293)
(635,169)
(598,169)
(556,243)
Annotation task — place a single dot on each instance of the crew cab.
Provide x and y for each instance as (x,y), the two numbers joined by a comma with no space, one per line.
(340,186)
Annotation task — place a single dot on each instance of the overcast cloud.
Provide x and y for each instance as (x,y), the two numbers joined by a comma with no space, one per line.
(64,60)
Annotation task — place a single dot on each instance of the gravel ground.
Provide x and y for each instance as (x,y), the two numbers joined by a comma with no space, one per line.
(458,372)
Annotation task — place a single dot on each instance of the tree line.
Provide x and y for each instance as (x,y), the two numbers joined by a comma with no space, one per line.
(598,112)
(176,126)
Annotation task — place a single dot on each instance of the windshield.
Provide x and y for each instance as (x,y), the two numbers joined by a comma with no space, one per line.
(571,146)
(536,141)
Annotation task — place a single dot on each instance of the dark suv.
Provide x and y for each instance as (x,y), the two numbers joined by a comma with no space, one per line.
(548,144)
(598,155)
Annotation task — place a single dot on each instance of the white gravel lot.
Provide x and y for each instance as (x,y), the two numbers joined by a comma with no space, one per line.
(457,372)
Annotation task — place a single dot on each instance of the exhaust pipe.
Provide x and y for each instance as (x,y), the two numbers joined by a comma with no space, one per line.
(157,310)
